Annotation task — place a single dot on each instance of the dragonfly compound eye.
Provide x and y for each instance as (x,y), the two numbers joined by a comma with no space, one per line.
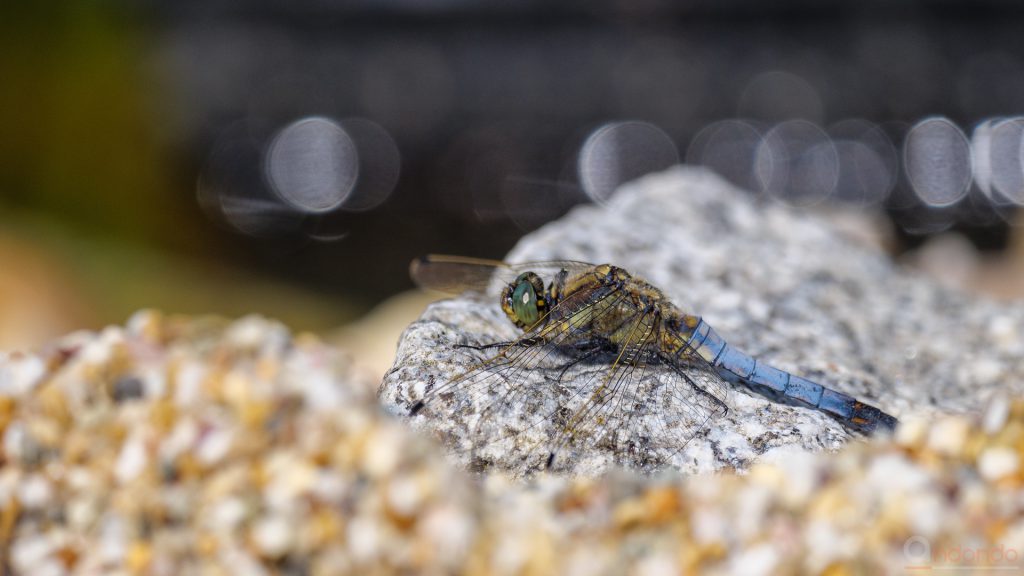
(523,300)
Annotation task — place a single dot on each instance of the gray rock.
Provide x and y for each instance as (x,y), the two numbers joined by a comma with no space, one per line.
(784,286)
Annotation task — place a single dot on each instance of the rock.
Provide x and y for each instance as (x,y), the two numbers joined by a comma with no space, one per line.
(783,286)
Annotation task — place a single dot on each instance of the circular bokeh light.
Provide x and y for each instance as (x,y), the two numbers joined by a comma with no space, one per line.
(312,164)
(937,160)
(619,152)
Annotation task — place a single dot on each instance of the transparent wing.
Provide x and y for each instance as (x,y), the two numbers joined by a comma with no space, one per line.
(643,413)
(503,406)
(611,391)
(457,274)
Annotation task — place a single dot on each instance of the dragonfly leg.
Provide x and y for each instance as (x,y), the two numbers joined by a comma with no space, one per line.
(485,346)
(522,342)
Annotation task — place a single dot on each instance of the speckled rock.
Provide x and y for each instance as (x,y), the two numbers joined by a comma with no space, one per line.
(793,289)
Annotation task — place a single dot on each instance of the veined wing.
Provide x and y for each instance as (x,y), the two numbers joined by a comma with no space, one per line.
(511,401)
(607,391)
(457,274)
(643,415)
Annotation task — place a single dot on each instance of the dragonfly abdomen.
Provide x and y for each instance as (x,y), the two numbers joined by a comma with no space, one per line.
(781,386)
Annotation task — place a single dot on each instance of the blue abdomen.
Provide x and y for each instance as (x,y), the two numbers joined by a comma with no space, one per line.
(781,386)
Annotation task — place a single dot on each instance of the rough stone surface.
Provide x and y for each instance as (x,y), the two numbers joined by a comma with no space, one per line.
(784,286)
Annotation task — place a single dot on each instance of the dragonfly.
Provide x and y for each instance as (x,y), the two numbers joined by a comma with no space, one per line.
(600,358)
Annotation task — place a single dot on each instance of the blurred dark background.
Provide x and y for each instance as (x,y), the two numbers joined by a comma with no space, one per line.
(292,157)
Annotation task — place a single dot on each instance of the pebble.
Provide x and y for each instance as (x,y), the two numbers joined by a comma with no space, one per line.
(996,413)
(998,462)
(26,554)
(757,560)
(949,437)
(912,432)
(405,495)
(214,445)
(227,515)
(132,460)
(364,539)
(35,492)
(661,564)
(1005,330)
(19,373)
(128,388)
(273,536)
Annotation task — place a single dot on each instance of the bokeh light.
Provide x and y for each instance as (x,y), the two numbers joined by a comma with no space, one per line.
(379,167)
(312,164)
(495,127)
(868,162)
(797,163)
(619,152)
(231,188)
(937,160)
(728,147)
(981,141)
(1006,160)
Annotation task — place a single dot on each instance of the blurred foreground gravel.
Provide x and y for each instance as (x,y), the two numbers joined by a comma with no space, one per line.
(196,446)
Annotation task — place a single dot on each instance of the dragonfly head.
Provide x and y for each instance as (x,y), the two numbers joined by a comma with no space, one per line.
(524,300)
